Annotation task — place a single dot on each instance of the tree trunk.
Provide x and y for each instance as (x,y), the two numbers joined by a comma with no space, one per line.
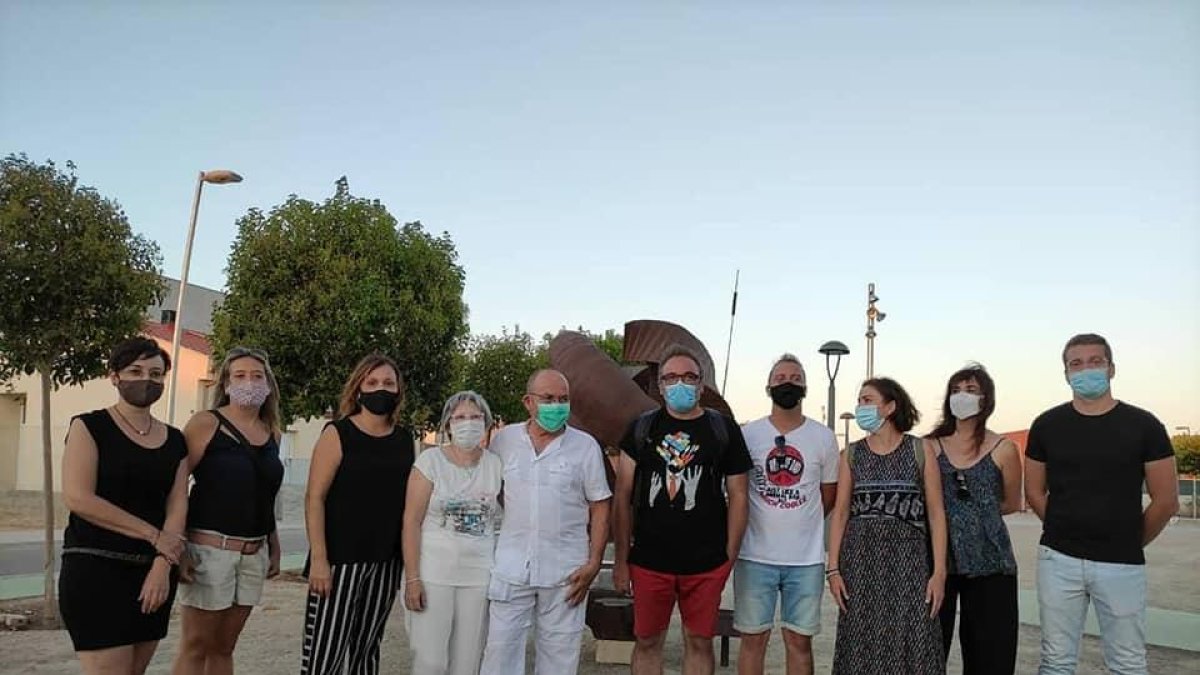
(50,611)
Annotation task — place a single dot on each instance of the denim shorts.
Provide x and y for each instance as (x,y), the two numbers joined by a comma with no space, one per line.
(758,587)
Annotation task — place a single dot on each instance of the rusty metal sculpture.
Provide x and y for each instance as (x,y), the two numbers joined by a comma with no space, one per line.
(606,397)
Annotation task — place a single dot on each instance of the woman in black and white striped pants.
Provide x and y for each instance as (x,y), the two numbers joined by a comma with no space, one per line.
(346,626)
(354,509)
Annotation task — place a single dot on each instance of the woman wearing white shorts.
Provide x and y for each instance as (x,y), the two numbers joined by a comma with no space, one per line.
(233,546)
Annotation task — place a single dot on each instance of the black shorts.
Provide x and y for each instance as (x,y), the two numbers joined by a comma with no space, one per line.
(98,600)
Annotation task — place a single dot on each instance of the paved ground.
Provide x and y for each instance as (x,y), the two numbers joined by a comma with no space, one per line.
(271,643)
(271,646)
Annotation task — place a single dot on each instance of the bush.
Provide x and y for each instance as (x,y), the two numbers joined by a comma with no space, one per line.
(1187,453)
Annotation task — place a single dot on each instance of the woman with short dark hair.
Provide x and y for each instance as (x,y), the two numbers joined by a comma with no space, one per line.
(125,483)
(881,571)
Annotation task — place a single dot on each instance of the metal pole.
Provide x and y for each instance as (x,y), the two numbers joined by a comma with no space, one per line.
(832,417)
(870,331)
(830,413)
(737,275)
(846,435)
(183,279)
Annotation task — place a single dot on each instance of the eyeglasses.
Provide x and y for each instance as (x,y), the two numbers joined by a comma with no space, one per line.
(960,481)
(550,398)
(674,378)
(780,442)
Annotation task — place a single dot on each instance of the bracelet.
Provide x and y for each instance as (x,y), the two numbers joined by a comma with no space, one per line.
(831,573)
(414,580)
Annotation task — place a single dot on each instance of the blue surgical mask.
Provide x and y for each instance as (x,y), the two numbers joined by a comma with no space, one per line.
(681,397)
(1091,383)
(868,419)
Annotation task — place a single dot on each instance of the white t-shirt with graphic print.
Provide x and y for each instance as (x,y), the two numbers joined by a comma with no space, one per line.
(458,535)
(787,521)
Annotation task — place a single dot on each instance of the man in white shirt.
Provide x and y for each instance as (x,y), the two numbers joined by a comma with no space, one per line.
(552,538)
(793,487)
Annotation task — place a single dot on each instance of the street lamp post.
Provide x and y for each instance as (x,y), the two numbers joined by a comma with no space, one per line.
(873,315)
(836,349)
(846,417)
(216,177)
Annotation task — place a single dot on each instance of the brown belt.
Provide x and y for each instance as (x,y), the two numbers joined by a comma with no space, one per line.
(243,546)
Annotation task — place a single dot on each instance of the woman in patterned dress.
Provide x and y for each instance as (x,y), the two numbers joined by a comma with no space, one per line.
(882,572)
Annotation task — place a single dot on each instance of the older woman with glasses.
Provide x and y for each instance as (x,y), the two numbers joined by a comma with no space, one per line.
(981,482)
(233,451)
(450,522)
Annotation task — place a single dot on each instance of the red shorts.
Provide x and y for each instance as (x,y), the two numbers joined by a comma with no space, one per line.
(654,595)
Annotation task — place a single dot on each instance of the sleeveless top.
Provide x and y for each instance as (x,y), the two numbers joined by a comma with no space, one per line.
(979,541)
(889,486)
(235,487)
(364,508)
(132,478)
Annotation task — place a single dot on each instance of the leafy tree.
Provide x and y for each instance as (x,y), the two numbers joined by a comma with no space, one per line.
(75,280)
(1187,453)
(319,286)
(498,366)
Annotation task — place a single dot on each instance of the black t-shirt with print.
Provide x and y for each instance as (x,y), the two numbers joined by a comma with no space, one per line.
(1094,475)
(680,511)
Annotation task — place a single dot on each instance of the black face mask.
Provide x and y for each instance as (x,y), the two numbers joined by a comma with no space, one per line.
(788,394)
(380,401)
(140,393)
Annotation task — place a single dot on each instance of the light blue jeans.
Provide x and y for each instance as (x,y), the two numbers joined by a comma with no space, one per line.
(1118,594)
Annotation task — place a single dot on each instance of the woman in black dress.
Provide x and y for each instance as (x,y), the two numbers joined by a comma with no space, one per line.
(125,484)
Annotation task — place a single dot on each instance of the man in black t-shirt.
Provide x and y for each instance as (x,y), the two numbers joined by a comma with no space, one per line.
(681,501)
(1085,464)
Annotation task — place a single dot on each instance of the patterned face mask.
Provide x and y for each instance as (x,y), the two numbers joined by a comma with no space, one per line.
(248,393)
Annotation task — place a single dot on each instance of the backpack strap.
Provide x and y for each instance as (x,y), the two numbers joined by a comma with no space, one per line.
(641,438)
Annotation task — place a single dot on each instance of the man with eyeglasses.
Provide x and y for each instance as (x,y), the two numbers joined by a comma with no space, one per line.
(681,503)
(1085,464)
(782,561)
(552,539)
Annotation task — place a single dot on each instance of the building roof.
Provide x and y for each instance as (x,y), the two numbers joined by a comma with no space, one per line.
(189,339)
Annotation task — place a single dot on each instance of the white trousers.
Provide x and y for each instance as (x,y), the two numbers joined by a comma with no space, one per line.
(447,637)
(514,610)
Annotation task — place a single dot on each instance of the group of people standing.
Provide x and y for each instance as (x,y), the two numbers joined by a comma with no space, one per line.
(492,532)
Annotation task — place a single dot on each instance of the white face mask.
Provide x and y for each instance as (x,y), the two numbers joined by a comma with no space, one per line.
(466,434)
(964,404)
